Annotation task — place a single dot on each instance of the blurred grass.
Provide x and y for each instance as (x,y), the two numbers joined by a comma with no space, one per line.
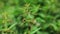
(29,17)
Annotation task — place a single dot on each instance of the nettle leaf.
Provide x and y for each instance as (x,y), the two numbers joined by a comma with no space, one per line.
(55,27)
(45,8)
(40,20)
(10,11)
(19,10)
(29,16)
(42,15)
(49,18)
(34,9)
(44,26)
(34,29)
(21,3)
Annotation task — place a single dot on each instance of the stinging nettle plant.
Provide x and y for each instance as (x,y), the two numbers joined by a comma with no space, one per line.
(29,17)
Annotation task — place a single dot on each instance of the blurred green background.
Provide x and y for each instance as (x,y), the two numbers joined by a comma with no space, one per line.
(29,16)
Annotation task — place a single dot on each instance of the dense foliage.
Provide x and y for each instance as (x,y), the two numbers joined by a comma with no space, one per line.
(29,16)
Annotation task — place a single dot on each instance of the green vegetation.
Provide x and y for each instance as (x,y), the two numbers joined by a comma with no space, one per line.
(29,16)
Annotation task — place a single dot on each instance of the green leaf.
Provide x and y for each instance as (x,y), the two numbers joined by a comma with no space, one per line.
(34,9)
